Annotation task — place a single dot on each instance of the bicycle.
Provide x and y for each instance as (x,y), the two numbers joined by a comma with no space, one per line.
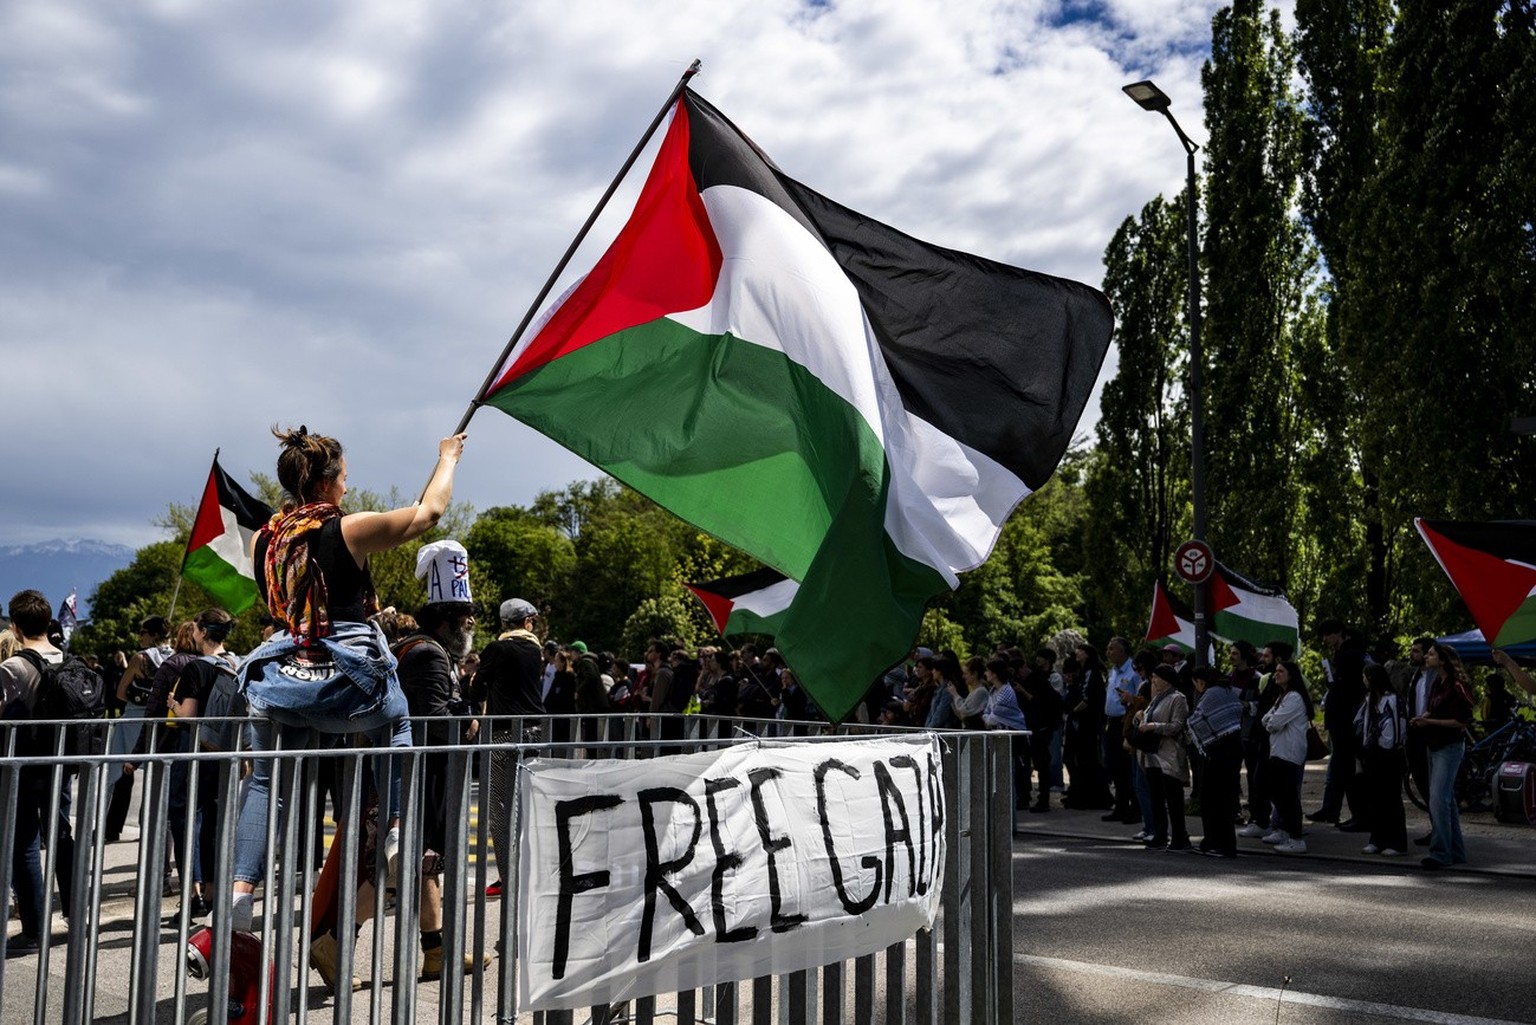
(1515,741)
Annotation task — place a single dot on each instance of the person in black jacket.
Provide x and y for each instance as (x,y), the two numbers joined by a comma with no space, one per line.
(1043,709)
(1345,691)
(429,678)
(508,683)
(1085,710)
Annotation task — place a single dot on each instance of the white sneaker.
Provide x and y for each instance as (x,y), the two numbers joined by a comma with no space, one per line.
(242,912)
(1370,848)
(392,855)
(1142,836)
(1279,836)
(1251,829)
(1388,852)
(1292,847)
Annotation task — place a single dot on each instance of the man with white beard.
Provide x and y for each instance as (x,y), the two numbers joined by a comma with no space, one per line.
(429,677)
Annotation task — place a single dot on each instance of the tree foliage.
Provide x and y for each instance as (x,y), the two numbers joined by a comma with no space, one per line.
(1141,460)
(1256,261)
(1368,268)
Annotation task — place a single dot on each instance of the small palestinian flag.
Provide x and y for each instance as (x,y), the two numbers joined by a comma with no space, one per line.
(1243,610)
(753,603)
(1493,567)
(1172,621)
(854,408)
(218,555)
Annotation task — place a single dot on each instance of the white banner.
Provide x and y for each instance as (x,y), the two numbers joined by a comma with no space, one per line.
(668,874)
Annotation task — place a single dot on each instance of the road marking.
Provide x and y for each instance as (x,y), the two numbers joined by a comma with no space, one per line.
(1290,996)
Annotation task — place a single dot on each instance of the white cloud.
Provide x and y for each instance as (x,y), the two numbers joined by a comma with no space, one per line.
(223,217)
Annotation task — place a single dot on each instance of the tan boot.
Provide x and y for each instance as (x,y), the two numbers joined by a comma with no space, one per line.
(325,957)
(432,964)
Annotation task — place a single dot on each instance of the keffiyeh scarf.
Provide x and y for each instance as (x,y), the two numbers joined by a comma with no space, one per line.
(295,585)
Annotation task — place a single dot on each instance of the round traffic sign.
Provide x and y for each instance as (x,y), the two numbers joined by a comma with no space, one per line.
(1193,562)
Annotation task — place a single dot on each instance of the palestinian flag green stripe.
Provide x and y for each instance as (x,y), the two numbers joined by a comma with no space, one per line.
(768,457)
(726,455)
(234,592)
(1245,610)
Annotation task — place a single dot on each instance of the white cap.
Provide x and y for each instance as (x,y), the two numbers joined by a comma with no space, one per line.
(445,567)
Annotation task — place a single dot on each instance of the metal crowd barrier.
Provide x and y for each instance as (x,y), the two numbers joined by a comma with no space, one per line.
(124,954)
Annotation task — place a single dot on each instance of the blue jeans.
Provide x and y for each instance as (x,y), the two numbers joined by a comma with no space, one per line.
(179,808)
(1445,843)
(1143,796)
(251,830)
(34,804)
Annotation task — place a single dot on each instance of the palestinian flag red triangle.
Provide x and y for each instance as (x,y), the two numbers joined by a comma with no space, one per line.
(1493,567)
(1172,621)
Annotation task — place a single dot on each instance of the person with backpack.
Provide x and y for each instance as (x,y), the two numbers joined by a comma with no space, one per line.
(161,736)
(206,687)
(132,695)
(31,686)
(1381,728)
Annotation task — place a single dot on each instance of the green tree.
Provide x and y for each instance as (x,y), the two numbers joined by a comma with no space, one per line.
(1440,326)
(1256,260)
(667,616)
(518,555)
(1140,459)
(1344,565)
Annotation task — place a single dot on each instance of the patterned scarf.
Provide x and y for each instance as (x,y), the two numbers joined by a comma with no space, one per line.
(295,586)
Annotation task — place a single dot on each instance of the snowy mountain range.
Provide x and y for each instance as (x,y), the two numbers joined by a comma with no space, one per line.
(59,566)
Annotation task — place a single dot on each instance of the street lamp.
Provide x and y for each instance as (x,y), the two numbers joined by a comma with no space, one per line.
(1150,97)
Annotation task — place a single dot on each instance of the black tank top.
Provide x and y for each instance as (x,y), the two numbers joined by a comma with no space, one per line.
(345,584)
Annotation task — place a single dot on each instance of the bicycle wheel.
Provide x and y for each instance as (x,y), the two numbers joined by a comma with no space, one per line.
(1474,785)
(1411,789)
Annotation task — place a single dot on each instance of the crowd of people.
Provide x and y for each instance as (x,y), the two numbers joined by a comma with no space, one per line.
(1142,734)
(1133,734)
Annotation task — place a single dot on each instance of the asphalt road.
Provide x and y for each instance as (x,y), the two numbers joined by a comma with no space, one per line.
(1107,932)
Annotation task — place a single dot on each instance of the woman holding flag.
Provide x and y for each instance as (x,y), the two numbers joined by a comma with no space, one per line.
(312,568)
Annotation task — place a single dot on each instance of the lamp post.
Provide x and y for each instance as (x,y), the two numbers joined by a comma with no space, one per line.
(1150,97)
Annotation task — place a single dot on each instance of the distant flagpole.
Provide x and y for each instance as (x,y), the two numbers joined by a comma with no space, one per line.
(538,302)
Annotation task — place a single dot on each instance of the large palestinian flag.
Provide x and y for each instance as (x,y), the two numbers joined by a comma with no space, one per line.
(218,555)
(753,603)
(1172,622)
(1244,610)
(1493,567)
(857,409)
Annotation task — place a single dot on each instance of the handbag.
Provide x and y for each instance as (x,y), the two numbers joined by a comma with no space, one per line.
(1145,740)
(1316,748)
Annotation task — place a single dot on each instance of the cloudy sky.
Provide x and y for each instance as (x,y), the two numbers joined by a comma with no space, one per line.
(217,217)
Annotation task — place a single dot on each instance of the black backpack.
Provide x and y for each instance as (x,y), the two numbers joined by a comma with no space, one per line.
(139,686)
(224,702)
(70,690)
